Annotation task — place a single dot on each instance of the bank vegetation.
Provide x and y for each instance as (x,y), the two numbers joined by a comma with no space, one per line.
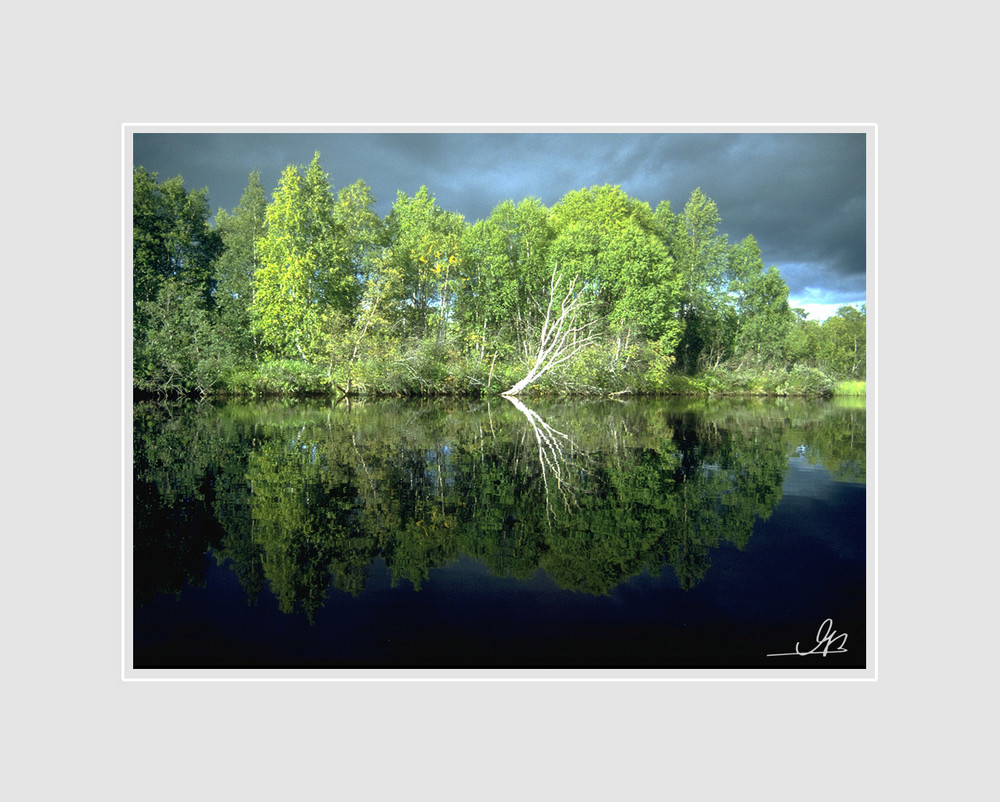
(311,292)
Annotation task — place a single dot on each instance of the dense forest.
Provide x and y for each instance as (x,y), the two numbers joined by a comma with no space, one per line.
(312,292)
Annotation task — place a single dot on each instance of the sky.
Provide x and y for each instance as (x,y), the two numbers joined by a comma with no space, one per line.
(802,195)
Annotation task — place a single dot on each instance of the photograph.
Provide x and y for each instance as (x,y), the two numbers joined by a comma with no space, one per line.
(498,401)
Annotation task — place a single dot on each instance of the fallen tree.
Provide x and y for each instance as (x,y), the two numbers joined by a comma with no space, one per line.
(562,336)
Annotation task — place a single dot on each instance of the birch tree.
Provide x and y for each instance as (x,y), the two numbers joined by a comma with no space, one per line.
(426,250)
(563,334)
(507,266)
(762,318)
(304,269)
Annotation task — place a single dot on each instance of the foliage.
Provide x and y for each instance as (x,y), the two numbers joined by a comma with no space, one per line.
(842,348)
(761,317)
(240,232)
(182,350)
(304,265)
(312,292)
(279,377)
(171,237)
(837,346)
(701,254)
(803,380)
(425,258)
(803,341)
(609,242)
(504,274)
(174,253)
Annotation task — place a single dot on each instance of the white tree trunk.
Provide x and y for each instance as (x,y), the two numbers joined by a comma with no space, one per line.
(560,338)
(552,457)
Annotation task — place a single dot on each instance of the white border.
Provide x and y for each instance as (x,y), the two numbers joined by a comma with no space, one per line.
(868,674)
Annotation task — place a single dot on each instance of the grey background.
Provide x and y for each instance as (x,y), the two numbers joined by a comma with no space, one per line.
(76,77)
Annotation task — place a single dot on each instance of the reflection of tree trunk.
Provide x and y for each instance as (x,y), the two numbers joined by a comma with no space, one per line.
(552,455)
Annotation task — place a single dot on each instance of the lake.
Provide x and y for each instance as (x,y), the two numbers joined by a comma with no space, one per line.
(455,534)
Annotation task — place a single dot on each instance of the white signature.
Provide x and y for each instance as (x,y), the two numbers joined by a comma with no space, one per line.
(828,641)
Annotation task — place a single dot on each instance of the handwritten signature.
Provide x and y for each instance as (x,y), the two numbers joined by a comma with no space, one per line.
(828,641)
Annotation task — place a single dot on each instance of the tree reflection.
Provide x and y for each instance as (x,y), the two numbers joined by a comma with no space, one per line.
(302,499)
(556,457)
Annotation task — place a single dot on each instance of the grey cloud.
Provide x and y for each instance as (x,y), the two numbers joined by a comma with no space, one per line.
(801,195)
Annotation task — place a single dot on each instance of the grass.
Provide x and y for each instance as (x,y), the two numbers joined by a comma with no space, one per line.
(799,381)
(854,388)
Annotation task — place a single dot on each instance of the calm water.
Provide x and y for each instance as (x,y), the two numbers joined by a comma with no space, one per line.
(643,534)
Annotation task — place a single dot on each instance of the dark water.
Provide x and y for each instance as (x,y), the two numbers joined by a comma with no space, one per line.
(643,534)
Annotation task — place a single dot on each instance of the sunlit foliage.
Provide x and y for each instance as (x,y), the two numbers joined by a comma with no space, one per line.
(426,303)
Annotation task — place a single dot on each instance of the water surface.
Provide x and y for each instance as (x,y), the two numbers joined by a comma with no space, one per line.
(460,534)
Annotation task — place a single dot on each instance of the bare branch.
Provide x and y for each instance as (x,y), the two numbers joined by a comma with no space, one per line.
(552,457)
(562,337)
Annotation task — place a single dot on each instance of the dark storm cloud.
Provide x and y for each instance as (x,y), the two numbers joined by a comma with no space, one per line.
(801,195)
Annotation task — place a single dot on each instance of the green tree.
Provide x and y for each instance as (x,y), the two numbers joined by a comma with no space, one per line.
(192,247)
(240,232)
(506,270)
(305,271)
(362,230)
(149,253)
(762,318)
(426,252)
(612,244)
(701,254)
(183,349)
(364,241)
(803,340)
(843,341)
(172,244)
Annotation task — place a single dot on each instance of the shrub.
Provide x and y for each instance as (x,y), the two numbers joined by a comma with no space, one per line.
(802,380)
(279,377)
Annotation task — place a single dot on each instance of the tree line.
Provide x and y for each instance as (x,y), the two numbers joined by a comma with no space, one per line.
(311,291)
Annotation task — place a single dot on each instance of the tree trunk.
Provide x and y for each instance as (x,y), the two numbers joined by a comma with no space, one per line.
(559,340)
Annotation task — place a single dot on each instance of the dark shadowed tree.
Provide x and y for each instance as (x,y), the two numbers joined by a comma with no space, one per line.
(240,231)
(700,252)
(174,256)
